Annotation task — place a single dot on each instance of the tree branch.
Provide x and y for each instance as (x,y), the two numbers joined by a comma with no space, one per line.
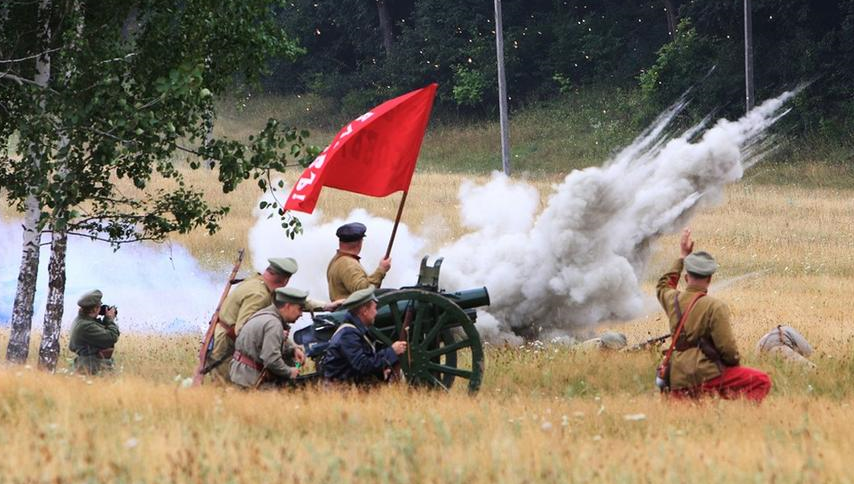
(22,59)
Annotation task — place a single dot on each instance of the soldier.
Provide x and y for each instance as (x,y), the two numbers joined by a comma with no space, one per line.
(351,356)
(705,359)
(263,355)
(93,339)
(252,295)
(345,274)
(787,343)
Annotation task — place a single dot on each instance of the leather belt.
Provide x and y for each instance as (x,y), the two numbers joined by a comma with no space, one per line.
(251,363)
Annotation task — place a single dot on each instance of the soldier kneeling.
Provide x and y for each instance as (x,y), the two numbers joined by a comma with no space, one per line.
(351,356)
(262,353)
(93,338)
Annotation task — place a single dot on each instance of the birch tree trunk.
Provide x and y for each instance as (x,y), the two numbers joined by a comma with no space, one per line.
(385,25)
(49,347)
(670,11)
(22,311)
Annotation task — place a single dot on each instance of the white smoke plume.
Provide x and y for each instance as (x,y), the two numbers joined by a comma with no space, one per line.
(315,247)
(580,260)
(156,288)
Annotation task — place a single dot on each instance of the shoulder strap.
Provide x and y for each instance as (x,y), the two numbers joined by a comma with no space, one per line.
(342,326)
(363,336)
(679,326)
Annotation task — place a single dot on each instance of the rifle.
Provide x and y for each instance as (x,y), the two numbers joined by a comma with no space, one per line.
(208,339)
(396,373)
(646,344)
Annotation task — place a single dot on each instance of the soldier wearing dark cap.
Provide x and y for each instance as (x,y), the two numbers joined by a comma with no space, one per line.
(93,339)
(345,274)
(705,359)
(252,295)
(262,354)
(351,356)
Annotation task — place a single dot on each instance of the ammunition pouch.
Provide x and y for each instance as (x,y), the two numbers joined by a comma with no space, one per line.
(704,343)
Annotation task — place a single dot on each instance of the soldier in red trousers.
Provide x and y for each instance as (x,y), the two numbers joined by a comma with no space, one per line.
(704,359)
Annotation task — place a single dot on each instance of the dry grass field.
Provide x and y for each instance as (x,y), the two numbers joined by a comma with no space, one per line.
(544,413)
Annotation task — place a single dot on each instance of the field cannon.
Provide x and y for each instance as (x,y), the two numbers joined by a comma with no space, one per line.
(439,326)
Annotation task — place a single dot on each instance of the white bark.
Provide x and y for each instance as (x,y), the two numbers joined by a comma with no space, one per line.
(22,311)
(49,347)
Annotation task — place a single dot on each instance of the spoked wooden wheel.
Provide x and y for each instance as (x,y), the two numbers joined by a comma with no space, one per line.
(438,330)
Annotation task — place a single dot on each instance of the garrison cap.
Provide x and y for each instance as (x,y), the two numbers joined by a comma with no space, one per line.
(285,266)
(351,232)
(701,263)
(90,299)
(358,298)
(291,295)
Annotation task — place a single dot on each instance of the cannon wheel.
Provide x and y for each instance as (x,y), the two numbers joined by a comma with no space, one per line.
(433,341)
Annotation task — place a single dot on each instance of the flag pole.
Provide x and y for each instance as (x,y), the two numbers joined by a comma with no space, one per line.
(396,223)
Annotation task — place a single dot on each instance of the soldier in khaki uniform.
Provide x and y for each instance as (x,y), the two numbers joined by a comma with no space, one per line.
(706,358)
(252,295)
(93,339)
(345,275)
(262,354)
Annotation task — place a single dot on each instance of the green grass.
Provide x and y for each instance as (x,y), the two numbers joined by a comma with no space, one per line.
(548,139)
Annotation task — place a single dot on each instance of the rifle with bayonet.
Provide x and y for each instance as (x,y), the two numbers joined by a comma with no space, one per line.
(652,341)
(207,341)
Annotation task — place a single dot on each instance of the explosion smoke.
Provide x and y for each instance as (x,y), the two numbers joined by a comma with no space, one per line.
(579,262)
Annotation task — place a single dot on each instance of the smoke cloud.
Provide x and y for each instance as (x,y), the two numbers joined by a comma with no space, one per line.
(156,288)
(580,260)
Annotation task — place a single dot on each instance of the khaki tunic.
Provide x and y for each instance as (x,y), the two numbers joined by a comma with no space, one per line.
(710,318)
(246,299)
(89,337)
(263,340)
(345,275)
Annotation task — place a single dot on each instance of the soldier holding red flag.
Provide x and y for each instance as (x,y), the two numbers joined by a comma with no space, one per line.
(345,274)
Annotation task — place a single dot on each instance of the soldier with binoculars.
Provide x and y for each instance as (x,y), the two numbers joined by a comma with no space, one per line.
(93,334)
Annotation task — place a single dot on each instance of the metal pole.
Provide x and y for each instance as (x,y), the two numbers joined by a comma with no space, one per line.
(502,90)
(748,56)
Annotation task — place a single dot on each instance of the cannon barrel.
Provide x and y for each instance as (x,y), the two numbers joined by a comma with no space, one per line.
(465,299)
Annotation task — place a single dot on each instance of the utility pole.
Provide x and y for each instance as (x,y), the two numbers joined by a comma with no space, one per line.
(748,56)
(502,90)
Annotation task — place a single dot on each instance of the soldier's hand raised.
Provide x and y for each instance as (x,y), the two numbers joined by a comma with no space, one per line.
(398,347)
(385,264)
(686,243)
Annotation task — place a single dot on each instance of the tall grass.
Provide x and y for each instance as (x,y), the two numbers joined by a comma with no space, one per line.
(544,414)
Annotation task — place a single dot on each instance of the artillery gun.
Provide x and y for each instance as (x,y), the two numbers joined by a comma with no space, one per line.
(439,327)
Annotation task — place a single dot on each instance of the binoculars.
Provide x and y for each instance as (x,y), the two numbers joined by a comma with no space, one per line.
(104,308)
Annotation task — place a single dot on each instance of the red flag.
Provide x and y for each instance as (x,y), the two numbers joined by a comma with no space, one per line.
(373,155)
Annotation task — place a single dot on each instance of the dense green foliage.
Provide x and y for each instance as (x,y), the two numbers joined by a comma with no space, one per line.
(554,47)
(99,92)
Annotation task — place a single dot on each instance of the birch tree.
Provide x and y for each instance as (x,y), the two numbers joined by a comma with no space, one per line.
(133,85)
